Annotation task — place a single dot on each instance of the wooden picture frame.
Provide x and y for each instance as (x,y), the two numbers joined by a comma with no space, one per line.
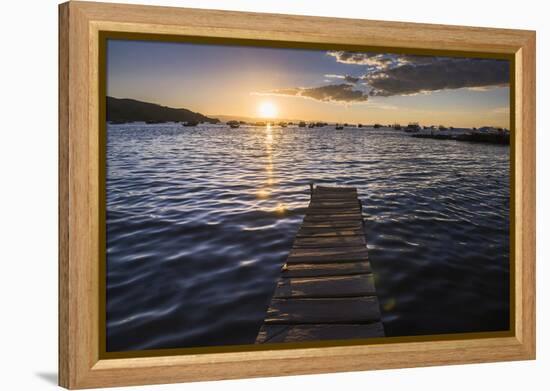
(81,24)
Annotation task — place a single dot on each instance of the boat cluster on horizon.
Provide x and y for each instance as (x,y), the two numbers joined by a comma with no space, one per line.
(483,134)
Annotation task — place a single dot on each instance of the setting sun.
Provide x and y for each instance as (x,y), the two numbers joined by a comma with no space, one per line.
(267,110)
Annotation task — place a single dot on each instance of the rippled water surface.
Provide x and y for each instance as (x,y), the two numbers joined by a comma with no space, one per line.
(200,220)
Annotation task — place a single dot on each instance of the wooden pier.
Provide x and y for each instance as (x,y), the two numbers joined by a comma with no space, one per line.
(326,289)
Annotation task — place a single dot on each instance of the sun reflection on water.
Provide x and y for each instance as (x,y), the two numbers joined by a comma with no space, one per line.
(265,192)
(281,208)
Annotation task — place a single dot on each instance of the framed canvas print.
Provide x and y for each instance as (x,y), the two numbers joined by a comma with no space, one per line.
(248,195)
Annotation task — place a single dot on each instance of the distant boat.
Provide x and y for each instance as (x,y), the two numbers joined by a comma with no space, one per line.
(283,124)
(190,123)
(412,127)
(302,124)
(396,126)
(359,125)
(233,124)
(338,127)
(376,126)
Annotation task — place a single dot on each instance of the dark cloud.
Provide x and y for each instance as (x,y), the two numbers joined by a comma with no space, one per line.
(438,75)
(341,93)
(371,59)
(351,79)
(381,60)
(347,78)
(393,74)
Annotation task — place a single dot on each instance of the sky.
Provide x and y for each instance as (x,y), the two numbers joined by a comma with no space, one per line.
(311,85)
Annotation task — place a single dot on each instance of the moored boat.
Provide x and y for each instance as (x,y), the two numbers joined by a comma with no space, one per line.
(233,124)
(412,127)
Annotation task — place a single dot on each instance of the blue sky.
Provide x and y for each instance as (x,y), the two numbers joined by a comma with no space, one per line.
(311,84)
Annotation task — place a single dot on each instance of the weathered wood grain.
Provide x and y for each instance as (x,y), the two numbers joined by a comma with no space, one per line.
(323,310)
(330,286)
(326,281)
(333,241)
(325,269)
(326,255)
(348,224)
(318,332)
(328,232)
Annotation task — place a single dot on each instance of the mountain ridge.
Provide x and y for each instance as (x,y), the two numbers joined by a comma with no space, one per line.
(127,110)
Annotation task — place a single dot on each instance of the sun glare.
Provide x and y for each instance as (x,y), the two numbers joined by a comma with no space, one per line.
(267,110)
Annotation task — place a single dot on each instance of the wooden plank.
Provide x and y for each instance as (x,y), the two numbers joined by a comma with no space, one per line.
(328,232)
(331,204)
(335,198)
(333,214)
(333,286)
(356,212)
(348,199)
(326,310)
(325,269)
(333,241)
(335,189)
(327,255)
(348,224)
(318,332)
(343,217)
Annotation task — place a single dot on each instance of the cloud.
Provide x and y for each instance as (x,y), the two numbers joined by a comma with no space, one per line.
(381,60)
(479,89)
(351,79)
(394,74)
(371,59)
(438,75)
(339,93)
(347,78)
(333,76)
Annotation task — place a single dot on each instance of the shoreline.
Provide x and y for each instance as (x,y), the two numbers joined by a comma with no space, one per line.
(501,138)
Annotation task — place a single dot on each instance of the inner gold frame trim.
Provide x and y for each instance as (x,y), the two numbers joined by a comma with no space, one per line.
(84,29)
(104,36)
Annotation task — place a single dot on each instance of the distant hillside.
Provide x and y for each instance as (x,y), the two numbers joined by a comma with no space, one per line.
(134,110)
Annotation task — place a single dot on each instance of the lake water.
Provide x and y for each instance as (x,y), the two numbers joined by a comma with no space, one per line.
(200,221)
